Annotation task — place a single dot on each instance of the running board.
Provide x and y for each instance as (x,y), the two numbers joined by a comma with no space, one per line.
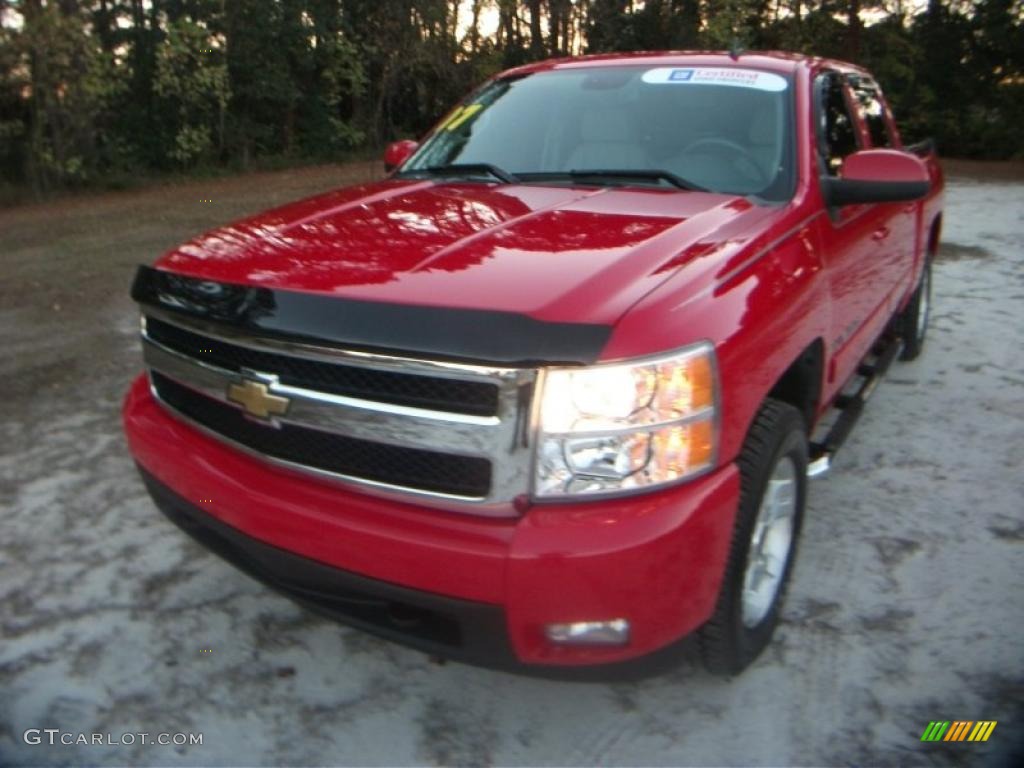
(850,407)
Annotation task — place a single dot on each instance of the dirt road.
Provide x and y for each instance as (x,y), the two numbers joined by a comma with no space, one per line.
(906,605)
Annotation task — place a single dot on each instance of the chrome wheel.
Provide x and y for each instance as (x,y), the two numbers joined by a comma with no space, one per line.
(770,543)
(773,483)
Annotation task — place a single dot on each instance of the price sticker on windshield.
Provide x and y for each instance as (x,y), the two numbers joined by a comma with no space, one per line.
(730,76)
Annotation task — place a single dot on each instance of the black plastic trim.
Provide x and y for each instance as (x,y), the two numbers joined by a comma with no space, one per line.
(475,335)
(853,191)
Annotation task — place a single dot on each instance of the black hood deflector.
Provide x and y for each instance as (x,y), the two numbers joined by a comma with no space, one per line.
(439,333)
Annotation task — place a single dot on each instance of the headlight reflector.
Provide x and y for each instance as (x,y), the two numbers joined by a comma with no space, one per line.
(613,428)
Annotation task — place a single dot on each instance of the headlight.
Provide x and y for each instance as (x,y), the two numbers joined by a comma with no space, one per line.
(625,426)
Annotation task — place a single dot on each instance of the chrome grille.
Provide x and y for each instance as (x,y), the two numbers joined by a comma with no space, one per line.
(451,434)
(441,394)
(423,470)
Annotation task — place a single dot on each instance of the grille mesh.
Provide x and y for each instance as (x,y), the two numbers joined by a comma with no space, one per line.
(476,398)
(405,467)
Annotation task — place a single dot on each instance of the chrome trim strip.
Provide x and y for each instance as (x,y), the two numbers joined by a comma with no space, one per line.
(407,411)
(178,365)
(820,466)
(307,351)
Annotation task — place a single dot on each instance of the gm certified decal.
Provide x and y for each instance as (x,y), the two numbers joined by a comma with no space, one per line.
(742,78)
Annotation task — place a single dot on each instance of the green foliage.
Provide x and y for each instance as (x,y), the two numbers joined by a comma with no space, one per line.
(92,89)
(729,21)
(342,80)
(69,84)
(192,79)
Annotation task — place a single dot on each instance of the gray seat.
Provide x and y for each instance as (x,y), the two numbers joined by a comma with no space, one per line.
(607,142)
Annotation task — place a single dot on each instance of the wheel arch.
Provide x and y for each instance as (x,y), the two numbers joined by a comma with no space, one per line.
(801,384)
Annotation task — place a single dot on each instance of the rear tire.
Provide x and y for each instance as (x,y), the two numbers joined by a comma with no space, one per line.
(912,323)
(773,491)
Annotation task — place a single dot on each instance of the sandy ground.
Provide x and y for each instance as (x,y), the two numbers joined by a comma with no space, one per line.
(906,606)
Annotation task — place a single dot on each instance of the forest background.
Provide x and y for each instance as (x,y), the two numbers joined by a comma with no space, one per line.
(102,93)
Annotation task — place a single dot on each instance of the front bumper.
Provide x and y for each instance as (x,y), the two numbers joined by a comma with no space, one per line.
(464,629)
(477,589)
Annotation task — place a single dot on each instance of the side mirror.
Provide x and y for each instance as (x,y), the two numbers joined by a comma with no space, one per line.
(398,152)
(877,176)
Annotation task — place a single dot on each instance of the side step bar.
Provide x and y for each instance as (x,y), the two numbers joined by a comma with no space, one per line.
(850,406)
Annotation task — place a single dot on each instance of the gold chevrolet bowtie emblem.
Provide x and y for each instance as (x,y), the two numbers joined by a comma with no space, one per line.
(256,399)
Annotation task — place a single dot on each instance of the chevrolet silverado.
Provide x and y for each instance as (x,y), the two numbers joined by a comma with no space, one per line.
(550,393)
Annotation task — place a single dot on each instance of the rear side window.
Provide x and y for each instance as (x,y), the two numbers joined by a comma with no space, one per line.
(837,132)
(872,109)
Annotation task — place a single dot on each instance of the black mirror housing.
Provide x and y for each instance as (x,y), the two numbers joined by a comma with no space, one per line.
(838,192)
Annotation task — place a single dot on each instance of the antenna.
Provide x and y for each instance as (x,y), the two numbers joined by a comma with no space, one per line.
(735,48)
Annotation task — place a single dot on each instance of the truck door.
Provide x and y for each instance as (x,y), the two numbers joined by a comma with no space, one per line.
(899,232)
(853,238)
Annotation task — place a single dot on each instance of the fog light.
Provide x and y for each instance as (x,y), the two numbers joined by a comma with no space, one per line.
(614,632)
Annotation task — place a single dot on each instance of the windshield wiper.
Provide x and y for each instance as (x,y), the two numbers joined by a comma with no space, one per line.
(644,174)
(466,169)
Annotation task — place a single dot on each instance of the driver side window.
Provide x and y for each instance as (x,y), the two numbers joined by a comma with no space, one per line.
(837,132)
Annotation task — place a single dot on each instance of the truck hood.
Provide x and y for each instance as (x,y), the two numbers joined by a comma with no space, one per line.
(562,254)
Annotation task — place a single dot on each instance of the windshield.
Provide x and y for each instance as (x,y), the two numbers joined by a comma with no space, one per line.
(723,129)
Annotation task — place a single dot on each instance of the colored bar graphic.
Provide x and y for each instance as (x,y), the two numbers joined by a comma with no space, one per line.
(935,730)
(958,730)
(982,730)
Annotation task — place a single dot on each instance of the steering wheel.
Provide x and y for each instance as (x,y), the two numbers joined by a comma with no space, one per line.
(733,152)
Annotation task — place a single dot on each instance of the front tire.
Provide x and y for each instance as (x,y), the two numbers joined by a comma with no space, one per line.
(913,320)
(773,491)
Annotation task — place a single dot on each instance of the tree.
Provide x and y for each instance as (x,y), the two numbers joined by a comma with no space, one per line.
(70,84)
(192,78)
(90,88)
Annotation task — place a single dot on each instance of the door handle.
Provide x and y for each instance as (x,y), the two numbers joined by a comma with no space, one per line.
(880,234)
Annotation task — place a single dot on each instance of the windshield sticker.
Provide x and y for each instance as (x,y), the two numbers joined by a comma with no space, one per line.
(461,115)
(742,78)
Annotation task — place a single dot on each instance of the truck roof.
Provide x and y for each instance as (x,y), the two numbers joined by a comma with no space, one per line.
(774,61)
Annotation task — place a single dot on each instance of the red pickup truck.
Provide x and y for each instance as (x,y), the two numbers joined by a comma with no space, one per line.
(550,393)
